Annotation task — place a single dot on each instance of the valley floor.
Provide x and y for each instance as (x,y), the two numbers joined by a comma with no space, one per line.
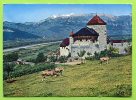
(89,79)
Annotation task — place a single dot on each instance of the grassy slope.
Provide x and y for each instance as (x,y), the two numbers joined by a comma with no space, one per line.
(90,79)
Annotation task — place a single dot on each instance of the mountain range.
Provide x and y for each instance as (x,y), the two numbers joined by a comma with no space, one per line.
(15,34)
(59,27)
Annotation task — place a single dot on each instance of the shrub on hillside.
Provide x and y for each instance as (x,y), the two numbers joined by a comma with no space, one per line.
(62,59)
(20,70)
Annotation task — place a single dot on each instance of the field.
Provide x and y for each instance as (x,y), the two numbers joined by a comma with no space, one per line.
(89,79)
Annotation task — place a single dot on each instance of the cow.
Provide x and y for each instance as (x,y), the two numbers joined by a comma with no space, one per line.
(49,73)
(103,59)
(59,70)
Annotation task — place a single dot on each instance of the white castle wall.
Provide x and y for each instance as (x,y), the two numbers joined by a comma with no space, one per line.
(121,47)
(64,51)
(87,46)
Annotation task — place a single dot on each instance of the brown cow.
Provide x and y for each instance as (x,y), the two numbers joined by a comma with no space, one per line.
(103,59)
(49,73)
(59,70)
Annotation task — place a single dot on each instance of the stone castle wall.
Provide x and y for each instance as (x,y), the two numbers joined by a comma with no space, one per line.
(102,31)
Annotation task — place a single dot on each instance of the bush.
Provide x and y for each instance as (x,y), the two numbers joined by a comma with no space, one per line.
(123,90)
(31,60)
(96,55)
(89,58)
(26,69)
(8,69)
(129,50)
(112,52)
(69,55)
(81,53)
(62,59)
(53,58)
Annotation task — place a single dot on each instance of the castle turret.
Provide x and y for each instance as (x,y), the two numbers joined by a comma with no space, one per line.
(100,27)
(71,40)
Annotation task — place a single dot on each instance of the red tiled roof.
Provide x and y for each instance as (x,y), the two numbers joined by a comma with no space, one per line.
(118,41)
(65,42)
(96,20)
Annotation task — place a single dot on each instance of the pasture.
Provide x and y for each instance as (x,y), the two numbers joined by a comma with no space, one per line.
(89,79)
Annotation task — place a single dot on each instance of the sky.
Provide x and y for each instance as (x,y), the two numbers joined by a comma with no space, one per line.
(37,12)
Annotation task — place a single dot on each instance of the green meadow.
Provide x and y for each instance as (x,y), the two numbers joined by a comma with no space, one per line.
(89,79)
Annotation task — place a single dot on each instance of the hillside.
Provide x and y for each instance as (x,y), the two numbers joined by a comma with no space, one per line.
(59,27)
(15,34)
(90,79)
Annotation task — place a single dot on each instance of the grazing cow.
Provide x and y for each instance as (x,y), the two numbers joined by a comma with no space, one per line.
(59,70)
(103,59)
(49,73)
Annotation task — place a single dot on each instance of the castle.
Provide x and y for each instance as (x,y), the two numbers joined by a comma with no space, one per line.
(91,39)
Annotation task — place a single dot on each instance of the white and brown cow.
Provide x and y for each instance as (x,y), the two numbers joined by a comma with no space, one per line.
(104,59)
(59,70)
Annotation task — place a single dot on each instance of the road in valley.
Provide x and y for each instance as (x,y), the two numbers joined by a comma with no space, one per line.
(29,46)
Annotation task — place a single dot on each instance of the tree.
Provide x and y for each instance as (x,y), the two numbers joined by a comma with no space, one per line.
(51,66)
(113,52)
(69,55)
(53,58)
(10,57)
(89,56)
(96,55)
(62,59)
(40,58)
(129,50)
(81,54)
(8,67)
(105,53)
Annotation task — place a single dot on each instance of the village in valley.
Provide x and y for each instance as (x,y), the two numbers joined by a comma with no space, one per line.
(87,63)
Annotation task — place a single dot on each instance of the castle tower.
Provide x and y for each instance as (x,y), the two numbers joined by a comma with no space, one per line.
(71,40)
(100,27)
